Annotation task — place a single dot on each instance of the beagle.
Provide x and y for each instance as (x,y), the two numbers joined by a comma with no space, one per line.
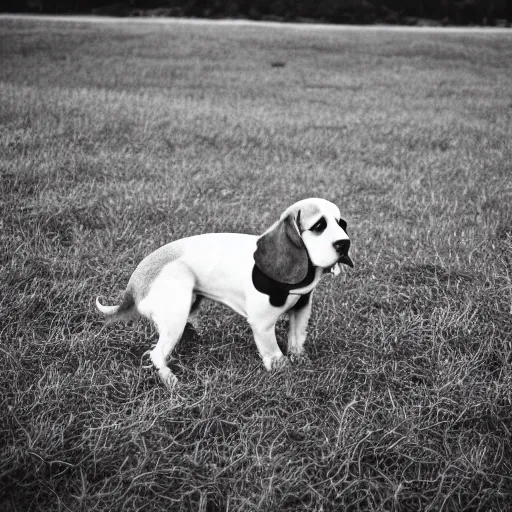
(259,277)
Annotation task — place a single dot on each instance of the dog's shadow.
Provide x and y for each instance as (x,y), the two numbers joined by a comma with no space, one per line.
(221,340)
(215,344)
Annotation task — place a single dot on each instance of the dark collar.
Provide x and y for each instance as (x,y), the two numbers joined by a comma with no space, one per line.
(278,292)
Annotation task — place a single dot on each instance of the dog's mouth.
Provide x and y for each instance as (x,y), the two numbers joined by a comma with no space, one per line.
(346,260)
(336,268)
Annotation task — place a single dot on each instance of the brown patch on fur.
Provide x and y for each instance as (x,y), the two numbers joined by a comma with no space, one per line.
(149,268)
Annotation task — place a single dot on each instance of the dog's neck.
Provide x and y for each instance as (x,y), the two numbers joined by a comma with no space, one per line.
(278,292)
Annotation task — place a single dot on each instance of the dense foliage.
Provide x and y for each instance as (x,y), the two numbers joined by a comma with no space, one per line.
(490,12)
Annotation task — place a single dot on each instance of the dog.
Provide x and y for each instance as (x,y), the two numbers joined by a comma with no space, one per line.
(260,278)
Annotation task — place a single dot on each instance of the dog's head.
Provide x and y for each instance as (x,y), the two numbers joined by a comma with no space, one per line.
(310,230)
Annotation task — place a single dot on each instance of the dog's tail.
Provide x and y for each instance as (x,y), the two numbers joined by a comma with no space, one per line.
(124,310)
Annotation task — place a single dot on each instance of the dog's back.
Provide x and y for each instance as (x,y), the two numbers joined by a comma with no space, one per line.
(217,263)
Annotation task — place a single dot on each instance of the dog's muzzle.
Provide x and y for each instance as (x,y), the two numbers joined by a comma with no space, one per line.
(342,247)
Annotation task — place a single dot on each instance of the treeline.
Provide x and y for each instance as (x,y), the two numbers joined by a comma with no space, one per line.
(449,12)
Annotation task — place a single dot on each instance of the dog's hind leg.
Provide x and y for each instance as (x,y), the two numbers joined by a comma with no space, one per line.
(193,316)
(169,313)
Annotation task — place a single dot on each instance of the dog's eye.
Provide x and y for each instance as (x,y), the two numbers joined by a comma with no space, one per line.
(342,224)
(319,226)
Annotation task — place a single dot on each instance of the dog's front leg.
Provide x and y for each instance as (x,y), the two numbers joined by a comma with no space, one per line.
(265,338)
(297,331)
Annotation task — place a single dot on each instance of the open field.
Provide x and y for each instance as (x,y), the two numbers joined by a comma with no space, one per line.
(220,23)
(117,138)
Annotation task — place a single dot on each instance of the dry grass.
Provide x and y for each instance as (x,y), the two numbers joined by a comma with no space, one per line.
(117,139)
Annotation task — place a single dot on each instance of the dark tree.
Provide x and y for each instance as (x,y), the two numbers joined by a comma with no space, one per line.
(461,12)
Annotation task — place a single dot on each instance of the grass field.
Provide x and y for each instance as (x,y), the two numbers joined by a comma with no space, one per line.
(117,138)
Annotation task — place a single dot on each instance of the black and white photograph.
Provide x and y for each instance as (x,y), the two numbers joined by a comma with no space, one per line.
(255,256)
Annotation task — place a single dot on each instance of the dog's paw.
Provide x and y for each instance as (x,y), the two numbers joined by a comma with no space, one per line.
(299,358)
(168,378)
(276,363)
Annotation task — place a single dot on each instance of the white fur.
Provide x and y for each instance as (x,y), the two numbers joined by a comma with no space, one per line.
(219,267)
(320,248)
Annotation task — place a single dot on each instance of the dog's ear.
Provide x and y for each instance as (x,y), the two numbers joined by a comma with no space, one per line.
(281,253)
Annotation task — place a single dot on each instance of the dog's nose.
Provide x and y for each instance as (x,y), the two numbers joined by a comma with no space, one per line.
(342,246)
